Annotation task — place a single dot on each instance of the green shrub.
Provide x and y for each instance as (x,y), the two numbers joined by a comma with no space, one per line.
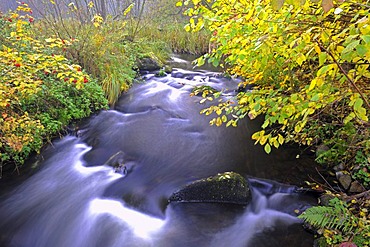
(40,91)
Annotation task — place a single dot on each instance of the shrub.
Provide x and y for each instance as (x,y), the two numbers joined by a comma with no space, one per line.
(41,91)
(309,68)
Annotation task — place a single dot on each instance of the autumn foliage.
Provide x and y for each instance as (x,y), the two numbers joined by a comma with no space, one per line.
(40,90)
(309,68)
(305,69)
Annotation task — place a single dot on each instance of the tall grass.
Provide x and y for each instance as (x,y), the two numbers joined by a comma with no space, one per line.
(109,49)
(176,38)
(102,51)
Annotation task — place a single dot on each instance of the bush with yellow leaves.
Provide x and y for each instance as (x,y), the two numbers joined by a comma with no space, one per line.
(40,90)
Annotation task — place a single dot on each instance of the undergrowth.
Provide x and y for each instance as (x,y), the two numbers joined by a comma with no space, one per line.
(41,91)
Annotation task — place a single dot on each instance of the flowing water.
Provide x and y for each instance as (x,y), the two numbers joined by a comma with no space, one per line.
(156,131)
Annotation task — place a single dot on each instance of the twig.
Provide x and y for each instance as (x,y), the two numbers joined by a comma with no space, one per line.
(357,196)
(345,74)
(325,180)
(6,71)
(323,185)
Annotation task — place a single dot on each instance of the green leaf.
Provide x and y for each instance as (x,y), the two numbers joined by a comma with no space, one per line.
(361,50)
(324,69)
(366,38)
(358,104)
(267,148)
(351,46)
(265,124)
(359,110)
(316,97)
(216,62)
(349,118)
(322,58)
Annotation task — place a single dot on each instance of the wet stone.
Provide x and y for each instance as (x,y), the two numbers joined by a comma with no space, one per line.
(325,199)
(356,187)
(344,180)
(228,187)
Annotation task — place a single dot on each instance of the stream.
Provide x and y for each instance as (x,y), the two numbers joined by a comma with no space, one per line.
(76,199)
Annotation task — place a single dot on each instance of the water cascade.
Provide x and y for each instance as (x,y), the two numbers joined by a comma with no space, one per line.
(109,184)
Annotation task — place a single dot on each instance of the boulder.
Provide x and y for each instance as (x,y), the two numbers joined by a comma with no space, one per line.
(228,187)
(148,64)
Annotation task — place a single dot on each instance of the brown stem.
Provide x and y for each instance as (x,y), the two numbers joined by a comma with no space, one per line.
(346,75)
(325,180)
(357,196)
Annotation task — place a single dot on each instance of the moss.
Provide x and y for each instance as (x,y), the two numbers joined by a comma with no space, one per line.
(228,187)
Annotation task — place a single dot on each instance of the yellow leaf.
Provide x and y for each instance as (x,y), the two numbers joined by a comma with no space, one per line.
(128,9)
(187,28)
(263,139)
(300,59)
(280,139)
(312,84)
(218,122)
(258,134)
(275,143)
(50,40)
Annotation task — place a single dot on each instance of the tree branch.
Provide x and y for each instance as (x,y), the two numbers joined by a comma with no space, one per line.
(345,74)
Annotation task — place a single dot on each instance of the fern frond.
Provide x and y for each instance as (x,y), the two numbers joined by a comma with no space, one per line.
(335,217)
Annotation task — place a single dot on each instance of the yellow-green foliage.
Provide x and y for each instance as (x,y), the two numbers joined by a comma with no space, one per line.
(101,49)
(176,38)
(40,91)
(309,66)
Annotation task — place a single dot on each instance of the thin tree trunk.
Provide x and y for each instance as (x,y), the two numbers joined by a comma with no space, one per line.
(103,9)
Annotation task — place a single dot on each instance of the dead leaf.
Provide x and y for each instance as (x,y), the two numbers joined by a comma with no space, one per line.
(327,5)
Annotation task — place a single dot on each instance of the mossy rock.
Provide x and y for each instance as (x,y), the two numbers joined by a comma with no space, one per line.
(149,64)
(228,187)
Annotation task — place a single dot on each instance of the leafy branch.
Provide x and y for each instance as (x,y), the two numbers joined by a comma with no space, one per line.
(345,74)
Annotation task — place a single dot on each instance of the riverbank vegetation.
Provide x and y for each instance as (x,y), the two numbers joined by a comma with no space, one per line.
(41,91)
(306,64)
(112,40)
(62,62)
